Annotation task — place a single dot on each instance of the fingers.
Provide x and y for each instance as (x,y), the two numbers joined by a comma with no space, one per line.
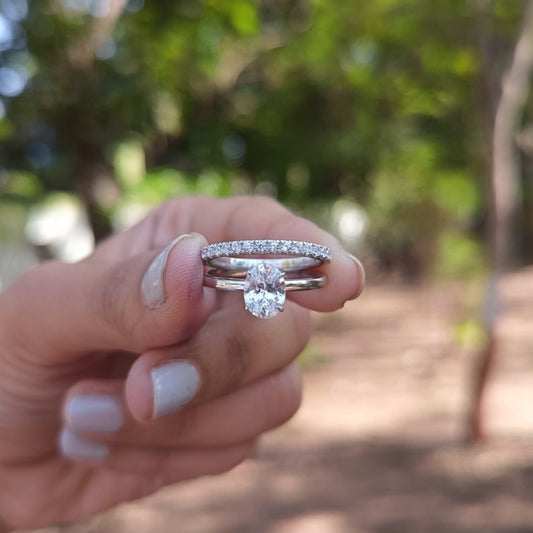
(234,348)
(96,413)
(154,298)
(166,464)
(262,218)
(107,302)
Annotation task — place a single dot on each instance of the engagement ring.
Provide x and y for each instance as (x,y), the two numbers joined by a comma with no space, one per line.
(264,281)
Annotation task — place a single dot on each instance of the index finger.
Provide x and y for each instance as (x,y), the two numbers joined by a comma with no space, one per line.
(240,218)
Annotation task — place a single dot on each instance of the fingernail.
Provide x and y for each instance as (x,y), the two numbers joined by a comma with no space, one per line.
(175,384)
(152,285)
(362,275)
(75,447)
(88,413)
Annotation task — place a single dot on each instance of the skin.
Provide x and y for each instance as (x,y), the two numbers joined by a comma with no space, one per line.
(67,329)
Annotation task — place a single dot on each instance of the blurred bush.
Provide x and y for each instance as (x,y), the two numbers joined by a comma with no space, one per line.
(365,116)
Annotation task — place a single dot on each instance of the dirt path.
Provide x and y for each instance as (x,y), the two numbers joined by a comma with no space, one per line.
(377,444)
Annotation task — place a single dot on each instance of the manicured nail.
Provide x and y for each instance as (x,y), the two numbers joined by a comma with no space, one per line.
(75,447)
(94,413)
(152,285)
(362,276)
(175,384)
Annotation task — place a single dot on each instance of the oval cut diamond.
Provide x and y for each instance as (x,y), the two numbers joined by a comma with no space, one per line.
(264,290)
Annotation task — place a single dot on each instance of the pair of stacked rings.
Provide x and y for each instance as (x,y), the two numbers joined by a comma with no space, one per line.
(277,266)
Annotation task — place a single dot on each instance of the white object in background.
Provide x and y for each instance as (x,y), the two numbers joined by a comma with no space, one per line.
(349,220)
(60,223)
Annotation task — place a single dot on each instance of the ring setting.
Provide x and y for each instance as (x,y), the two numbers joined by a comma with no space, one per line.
(264,280)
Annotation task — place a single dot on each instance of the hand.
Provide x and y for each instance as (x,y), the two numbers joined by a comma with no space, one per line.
(144,376)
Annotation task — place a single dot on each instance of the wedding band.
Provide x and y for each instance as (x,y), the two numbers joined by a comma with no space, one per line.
(297,249)
(218,279)
(264,281)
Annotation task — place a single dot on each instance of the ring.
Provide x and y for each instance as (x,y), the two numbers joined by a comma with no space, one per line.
(264,281)
(298,249)
(219,279)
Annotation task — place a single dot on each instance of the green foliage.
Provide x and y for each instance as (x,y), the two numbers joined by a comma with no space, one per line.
(470,335)
(162,183)
(378,102)
(459,256)
(312,357)
(21,186)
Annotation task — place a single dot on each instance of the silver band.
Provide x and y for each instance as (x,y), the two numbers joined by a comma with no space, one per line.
(297,249)
(305,281)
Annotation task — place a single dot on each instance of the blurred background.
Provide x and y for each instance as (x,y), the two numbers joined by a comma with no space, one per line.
(402,126)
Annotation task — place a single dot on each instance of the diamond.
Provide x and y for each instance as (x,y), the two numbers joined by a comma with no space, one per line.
(264,290)
(266,247)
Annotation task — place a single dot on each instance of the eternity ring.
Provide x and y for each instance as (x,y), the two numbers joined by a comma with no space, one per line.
(264,281)
(297,249)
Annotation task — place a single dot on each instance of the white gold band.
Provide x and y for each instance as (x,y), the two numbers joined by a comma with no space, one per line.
(305,282)
(266,247)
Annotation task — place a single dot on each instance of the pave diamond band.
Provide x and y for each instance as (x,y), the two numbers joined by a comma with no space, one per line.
(264,281)
(266,247)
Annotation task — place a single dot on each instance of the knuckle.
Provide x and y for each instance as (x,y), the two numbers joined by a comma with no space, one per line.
(234,223)
(280,225)
(246,208)
(267,203)
(256,202)
(180,210)
(290,224)
(171,205)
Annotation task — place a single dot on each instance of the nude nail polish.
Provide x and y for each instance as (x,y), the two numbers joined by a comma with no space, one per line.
(152,285)
(175,384)
(73,446)
(94,413)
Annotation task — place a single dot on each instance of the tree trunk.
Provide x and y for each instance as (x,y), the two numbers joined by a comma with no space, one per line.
(505,190)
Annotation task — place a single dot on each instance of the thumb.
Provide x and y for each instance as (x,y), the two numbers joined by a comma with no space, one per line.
(155,298)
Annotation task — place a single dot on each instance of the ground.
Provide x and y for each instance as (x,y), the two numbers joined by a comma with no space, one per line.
(378,444)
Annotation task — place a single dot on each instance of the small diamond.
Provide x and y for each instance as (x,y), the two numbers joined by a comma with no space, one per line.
(264,290)
(266,247)
(224,249)
(270,247)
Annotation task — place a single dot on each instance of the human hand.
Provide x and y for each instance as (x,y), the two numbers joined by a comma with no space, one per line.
(146,387)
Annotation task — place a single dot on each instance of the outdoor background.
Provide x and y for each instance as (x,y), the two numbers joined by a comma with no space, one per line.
(402,126)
